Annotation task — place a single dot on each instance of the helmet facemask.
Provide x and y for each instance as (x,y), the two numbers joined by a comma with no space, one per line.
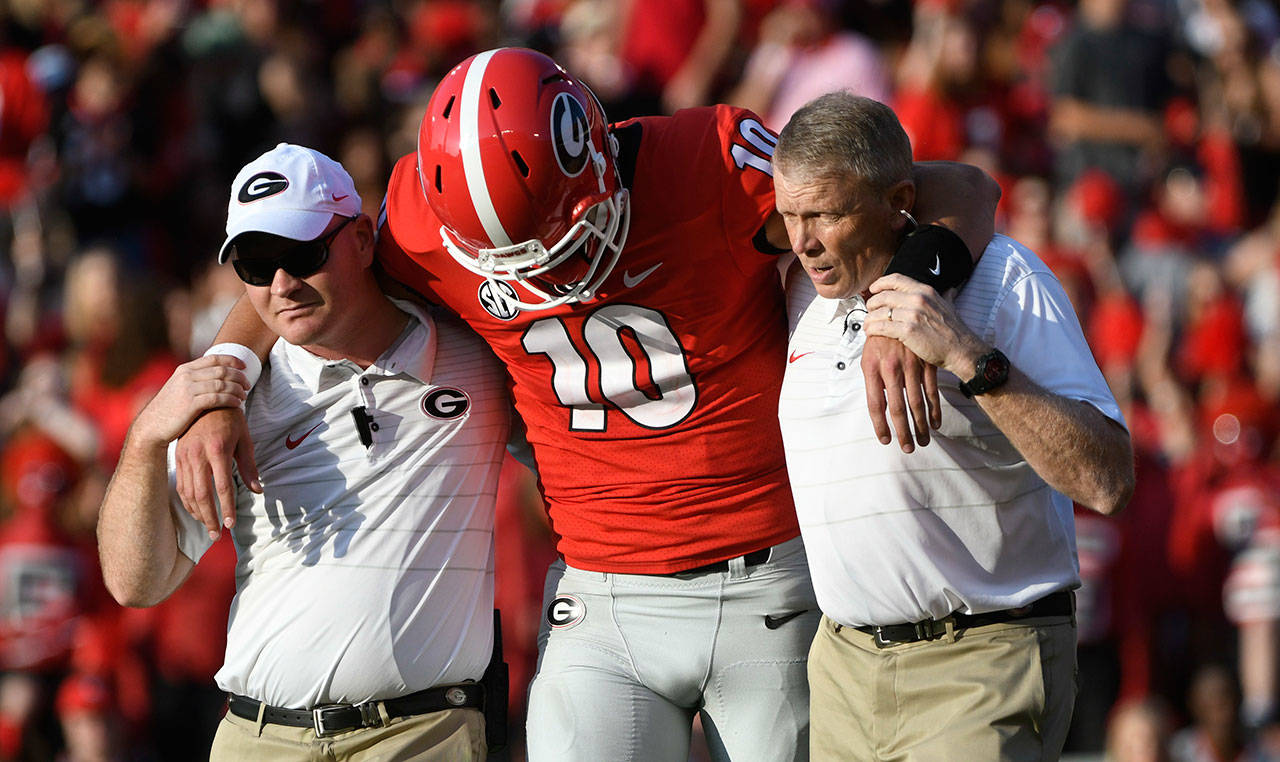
(597,236)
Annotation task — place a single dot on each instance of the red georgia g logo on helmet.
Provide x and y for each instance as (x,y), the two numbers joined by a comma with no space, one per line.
(570,134)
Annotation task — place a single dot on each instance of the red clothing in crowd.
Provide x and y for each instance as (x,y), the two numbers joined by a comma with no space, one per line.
(934,124)
(658,37)
(24,116)
(50,579)
(1215,343)
(1218,511)
(189,630)
(112,410)
(49,584)
(1125,576)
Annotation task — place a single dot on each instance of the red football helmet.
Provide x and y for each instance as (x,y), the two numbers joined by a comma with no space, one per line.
(515,158)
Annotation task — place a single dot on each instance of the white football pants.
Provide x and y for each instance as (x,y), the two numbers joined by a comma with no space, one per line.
(625,660)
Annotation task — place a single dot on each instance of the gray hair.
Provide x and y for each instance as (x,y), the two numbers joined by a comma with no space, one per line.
(844,134)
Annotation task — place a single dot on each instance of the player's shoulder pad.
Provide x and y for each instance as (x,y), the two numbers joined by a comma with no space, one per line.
(692,139)
(408,216)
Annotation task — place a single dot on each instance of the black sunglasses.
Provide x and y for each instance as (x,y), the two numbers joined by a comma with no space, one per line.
(299,260)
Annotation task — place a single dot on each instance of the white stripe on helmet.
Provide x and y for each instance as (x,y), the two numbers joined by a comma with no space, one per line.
(469,142)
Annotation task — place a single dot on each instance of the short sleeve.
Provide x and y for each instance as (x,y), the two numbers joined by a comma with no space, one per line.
(745,150)
(408,231)
(193,538)
(1036,327)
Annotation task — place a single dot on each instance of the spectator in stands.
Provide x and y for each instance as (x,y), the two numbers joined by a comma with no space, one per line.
(676,51)
(1139,732)
(802,53)
(90,725)
(1109,86)
(124,355)
(1215,732)
(937,75)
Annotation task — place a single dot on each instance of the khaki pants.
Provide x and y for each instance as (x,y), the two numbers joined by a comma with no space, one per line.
(451,735)
(999,692)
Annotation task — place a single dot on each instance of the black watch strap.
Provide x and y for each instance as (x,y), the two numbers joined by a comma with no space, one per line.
(991,371)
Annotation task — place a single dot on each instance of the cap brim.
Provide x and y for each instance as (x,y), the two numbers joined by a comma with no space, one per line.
(298,224)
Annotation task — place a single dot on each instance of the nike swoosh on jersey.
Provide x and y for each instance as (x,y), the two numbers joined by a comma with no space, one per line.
(937,265)
(793,357)
(774,622)
(290,442)
(337,198)
(631,281)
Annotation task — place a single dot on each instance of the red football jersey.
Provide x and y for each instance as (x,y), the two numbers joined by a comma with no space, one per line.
(652,408)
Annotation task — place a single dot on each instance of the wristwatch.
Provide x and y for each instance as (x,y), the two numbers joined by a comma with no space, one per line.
(990,372)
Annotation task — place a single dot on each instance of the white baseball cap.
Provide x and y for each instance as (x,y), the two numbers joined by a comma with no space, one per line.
(289,191)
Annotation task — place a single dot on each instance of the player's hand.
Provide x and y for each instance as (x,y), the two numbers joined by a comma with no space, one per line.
(891,370)
(205,455)
(194,387)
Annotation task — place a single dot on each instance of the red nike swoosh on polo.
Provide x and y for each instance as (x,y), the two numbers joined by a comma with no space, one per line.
(336,197)
(290,442)
(795,356)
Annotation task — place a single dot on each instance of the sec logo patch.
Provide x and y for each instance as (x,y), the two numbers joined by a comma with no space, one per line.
(498,299)
(445,403)
(565,611)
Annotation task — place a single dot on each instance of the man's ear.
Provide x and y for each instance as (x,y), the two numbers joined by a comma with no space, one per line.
(902,197)
(365,239)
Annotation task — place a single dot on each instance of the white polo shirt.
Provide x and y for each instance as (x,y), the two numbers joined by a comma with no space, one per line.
(366,572)
(963,524)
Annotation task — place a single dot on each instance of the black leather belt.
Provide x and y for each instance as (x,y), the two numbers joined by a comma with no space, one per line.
(1061,603)
(339,718)
(754,558)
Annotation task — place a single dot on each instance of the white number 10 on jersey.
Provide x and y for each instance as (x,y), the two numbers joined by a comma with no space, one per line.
(604,331)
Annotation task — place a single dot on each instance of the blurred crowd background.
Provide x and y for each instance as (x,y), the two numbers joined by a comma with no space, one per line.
(1137,143)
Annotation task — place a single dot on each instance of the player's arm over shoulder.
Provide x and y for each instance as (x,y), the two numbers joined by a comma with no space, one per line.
(744,148)
(408,234)
(961,197)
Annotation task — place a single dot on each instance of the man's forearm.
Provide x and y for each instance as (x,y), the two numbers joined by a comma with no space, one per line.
(243,326)
(961,197)
(137,536)
(1077,120)
(1071,445)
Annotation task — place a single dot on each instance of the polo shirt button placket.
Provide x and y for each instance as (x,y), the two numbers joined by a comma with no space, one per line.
(365,391)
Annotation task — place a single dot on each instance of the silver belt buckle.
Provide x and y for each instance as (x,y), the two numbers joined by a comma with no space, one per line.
(877,635)
(318,716)
(926,630)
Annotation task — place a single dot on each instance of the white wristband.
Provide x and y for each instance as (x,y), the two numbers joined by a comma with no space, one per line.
(252,365)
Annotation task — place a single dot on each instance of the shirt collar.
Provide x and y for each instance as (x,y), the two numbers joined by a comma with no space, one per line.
(413,353)
(837,309)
